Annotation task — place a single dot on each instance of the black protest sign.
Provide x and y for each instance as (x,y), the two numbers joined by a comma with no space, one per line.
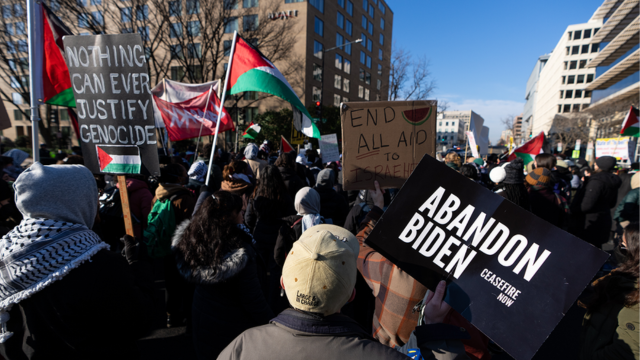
(510,273)
(110,82)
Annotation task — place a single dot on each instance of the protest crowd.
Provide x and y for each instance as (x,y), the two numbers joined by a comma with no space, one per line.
(270,260)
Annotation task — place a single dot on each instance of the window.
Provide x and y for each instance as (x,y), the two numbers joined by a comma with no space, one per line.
(561,93)
(347,66)
(125,14)
(316,94)
(318,27)
(365,5)
(142,12)
(96,2)
(367,78)
(175,8)
(336,100)
(317,72)
(339,39)
(372,11)
(337,81)
(369,62)
(231,25)
(231,4)
(380,54)
(249,3)
(587,34)
(338,61)
(585,49)
(18,10)
(577,35)
(371,28)
(341,3)
(361,75)
(363,57)
(317,49)
(177,73)
(584,106)
(573,65)
(595,31)
(15,83)
(250,114)
(292,1)
(580,79)
(594,47)
(447,123)
(366,94)
(349,8)
(17,114)
(193,7)
(226,45)
(576,107)
(250,23)
(571,79)
(567,108)
(345,99)
(568,50)
(379,70)
(569,34)
(587,93)
(360,91)
(16,98)
(369,45)
(340,20)
(81,3)
(381,7)
(127,30)
(345,84)
(564,80)
(176,52)
(566,63)
(382,23)
(364,22)
(583,64)
(318,4)
(347,49)
(364,39)
(577,94)
(381,39)
(575,50)
(144,32)
(194,50)
(589,78)
(83,21)
(568,94)
(559,108)
(348,27)
(250,95)
(175,31)
(6,11)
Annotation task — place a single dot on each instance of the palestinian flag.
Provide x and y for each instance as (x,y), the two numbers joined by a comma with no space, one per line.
(52,84)
(529,150)
(251,71)
(252,131)
(119,159)
(285,146)
(630,126)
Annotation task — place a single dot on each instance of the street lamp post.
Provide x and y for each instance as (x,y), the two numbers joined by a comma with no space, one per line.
(322,75)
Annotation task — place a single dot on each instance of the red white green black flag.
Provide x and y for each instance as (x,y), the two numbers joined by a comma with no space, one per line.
(116,159)
(631,126)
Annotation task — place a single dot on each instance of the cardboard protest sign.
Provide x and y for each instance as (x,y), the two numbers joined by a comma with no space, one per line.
(115,113)
(510,273)
(329,148)
(385,140)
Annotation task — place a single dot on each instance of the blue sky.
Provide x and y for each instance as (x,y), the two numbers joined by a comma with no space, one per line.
(482,52)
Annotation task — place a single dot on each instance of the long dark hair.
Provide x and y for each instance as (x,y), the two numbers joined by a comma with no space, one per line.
(616,287)
(212,233)
(517,194)
(546,161)
(271,185)
(286,160)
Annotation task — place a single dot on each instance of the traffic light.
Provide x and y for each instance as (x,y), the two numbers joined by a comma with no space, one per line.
(318,109)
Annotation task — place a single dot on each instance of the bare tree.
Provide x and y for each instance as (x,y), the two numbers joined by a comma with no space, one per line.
(443,105)
(409,78)
(568,128)
(509,124)
(607,118)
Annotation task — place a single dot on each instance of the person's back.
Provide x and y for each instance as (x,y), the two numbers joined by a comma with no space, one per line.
(544,202)
(286,166)
(332,205)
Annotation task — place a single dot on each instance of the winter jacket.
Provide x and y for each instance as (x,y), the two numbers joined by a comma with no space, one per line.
(296,335)
(561,178)
(183,203)
(228,298)
(548,205)
(256,166)
(290,231)
(629,208)
(592,207)
(291,181)
(437,342)
(97,311)
(332,205)
(140,199)
(305,175)
(611,331)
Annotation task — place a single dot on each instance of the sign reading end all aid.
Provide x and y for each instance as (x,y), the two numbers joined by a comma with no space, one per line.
(385,141)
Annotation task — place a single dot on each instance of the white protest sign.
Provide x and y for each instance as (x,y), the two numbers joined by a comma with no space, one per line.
(472,144)
(329,148)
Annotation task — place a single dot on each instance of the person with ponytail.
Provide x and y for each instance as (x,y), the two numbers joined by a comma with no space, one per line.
(610,327)
(214,251)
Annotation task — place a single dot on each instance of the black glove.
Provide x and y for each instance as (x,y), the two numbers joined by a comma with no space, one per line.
(130,248)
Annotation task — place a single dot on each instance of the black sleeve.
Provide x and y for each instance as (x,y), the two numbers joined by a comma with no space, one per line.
(284,243)
(351,223)
(250,216)
(256,304)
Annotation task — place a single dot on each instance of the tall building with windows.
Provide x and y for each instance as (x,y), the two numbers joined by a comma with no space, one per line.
(563,81)
(451,126)
(184,50)
(531,94)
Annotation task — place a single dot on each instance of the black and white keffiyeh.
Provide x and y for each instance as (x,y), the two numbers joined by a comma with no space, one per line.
(35,254)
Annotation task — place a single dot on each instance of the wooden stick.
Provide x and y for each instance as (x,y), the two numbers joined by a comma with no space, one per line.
(124,199)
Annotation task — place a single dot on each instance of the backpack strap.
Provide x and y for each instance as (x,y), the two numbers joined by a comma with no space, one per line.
(295,223)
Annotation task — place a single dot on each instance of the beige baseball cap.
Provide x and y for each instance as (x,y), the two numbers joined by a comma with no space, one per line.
(319,273)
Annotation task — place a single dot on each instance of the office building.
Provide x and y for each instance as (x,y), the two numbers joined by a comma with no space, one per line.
(451,126)
(531,93)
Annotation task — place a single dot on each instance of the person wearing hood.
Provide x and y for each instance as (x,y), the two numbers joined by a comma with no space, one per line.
(214,251)
(197,176)
(178,293)
(236,180)
(140,199)
(66,296)
(302,169)
(215,179)
(514,189)
(560,179)
(287,166)
(251,158)
(545,203)
(332,205)
(595,201)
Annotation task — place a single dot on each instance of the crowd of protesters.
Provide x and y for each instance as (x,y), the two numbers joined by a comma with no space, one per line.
(263,256)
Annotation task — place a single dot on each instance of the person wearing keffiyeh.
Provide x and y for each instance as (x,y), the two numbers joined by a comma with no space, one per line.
(63,294)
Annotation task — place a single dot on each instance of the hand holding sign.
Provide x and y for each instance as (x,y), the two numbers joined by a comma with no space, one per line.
(378,195)
(435,309)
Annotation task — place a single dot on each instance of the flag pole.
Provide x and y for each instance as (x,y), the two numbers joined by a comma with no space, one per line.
(34,101)
(222,99)
(206,109)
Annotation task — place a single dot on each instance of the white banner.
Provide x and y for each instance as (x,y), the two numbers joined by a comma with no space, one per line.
(472,144)
(616,147)
(329,148)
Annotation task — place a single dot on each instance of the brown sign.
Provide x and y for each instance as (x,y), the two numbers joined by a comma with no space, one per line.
(385,141)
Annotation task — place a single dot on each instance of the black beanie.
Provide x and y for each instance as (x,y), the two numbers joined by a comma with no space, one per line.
(606,163)
(515,172)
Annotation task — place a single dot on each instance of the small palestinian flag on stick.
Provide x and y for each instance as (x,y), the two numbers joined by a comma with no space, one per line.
(631,126)
(285,147)
(119,159)
(252,131)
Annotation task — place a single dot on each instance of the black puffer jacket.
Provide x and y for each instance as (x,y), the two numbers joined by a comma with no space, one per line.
(228,298)
(291,181)
(332,205)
